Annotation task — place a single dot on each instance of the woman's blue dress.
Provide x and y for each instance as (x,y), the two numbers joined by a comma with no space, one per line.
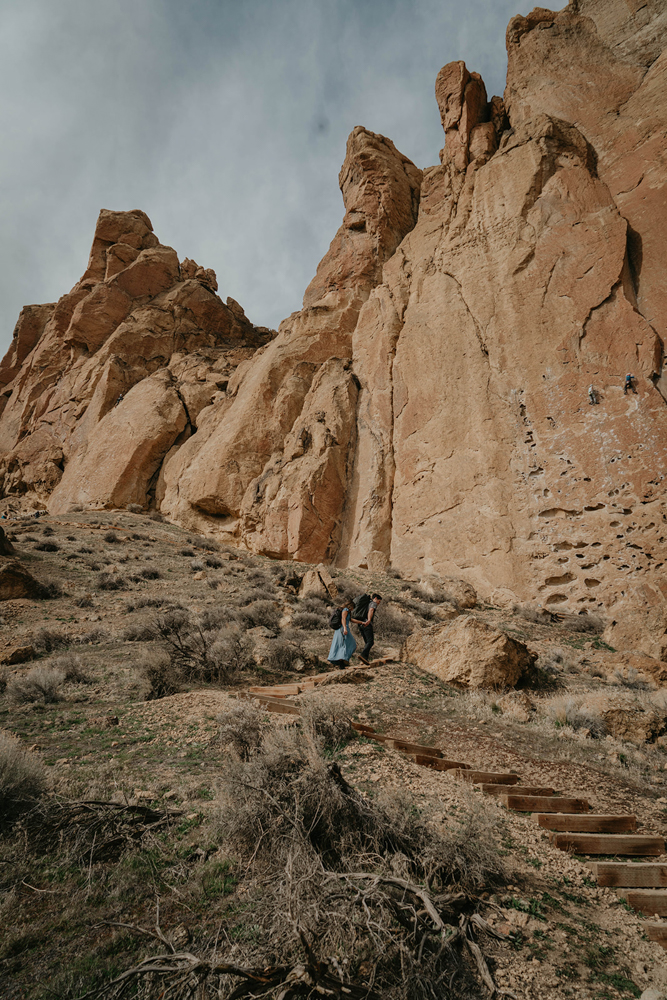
(342,646)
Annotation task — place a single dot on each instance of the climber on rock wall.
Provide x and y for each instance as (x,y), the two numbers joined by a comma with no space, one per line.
(592,395)
(629,384)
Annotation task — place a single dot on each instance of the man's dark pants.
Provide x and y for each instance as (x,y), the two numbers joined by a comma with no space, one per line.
(369,639)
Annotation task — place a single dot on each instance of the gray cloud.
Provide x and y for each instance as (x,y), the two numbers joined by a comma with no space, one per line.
(224,120)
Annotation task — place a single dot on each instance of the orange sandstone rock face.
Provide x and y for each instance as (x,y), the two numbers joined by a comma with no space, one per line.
(428,408)
(270,462)
(96,389)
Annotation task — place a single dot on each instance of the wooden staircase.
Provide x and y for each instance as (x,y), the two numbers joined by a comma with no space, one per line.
(570,824)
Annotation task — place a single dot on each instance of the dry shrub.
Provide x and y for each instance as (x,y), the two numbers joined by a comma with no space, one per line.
(111,537)
(46,640)
(264,613)
(325,715)
(255,594)
(214,561)
(39,685)
(201,649)
(555,660)
(418,607)
(309,621)
(47,547)
(138,633)
(287,653)
(187,552)
(582,622)
(152,602)
(94,637)
(110,581)
(196,565)
(22,778)
(72,668)
(50,590)
(631,679)
(354,871)
(393,623)
(567,711)
(134,508)
(314,603)
(242,728)
(85,601)
(160,676)
(149,573)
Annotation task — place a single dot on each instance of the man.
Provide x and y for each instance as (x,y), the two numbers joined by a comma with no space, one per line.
(366,628)
(592,395)
(629,384)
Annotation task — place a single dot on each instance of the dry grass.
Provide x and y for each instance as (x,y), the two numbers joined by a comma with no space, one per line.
(22,778)
(566,710)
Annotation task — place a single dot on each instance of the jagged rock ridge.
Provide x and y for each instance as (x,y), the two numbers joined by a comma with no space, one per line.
(428,407)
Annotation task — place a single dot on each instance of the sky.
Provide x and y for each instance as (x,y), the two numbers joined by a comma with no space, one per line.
(224,120)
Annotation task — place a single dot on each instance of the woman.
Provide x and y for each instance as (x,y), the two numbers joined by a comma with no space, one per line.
(343,643)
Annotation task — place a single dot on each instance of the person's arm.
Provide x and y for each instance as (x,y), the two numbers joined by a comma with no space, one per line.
(344,617)
(370,614)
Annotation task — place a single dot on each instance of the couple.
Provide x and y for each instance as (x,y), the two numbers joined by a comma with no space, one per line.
(344,644)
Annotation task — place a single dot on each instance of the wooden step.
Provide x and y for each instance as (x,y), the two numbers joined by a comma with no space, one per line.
(486,777)
(623,873)
(656,932)
(405,747)
(280,705)
(363,729)
(650,902)
(279,691)
(491,789)
(544,803)
(591,823)
(611,843)
(437,763)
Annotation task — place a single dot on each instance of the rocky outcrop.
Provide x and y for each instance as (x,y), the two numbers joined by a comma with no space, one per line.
(99,386)
(286,429)
(468,653)
(449,400)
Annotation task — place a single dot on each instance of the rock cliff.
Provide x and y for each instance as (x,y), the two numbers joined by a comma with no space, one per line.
(450,398)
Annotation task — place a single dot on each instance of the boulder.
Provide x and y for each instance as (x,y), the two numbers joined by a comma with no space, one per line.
(16,581)
(318,583)
(633,664)
(6,547)
(17,654)
(637,725)
(468,653)
(460,592)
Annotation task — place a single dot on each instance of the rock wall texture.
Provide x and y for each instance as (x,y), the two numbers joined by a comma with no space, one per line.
(429,406)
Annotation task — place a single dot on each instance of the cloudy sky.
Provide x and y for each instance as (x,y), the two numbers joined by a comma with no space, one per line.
(224,120)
